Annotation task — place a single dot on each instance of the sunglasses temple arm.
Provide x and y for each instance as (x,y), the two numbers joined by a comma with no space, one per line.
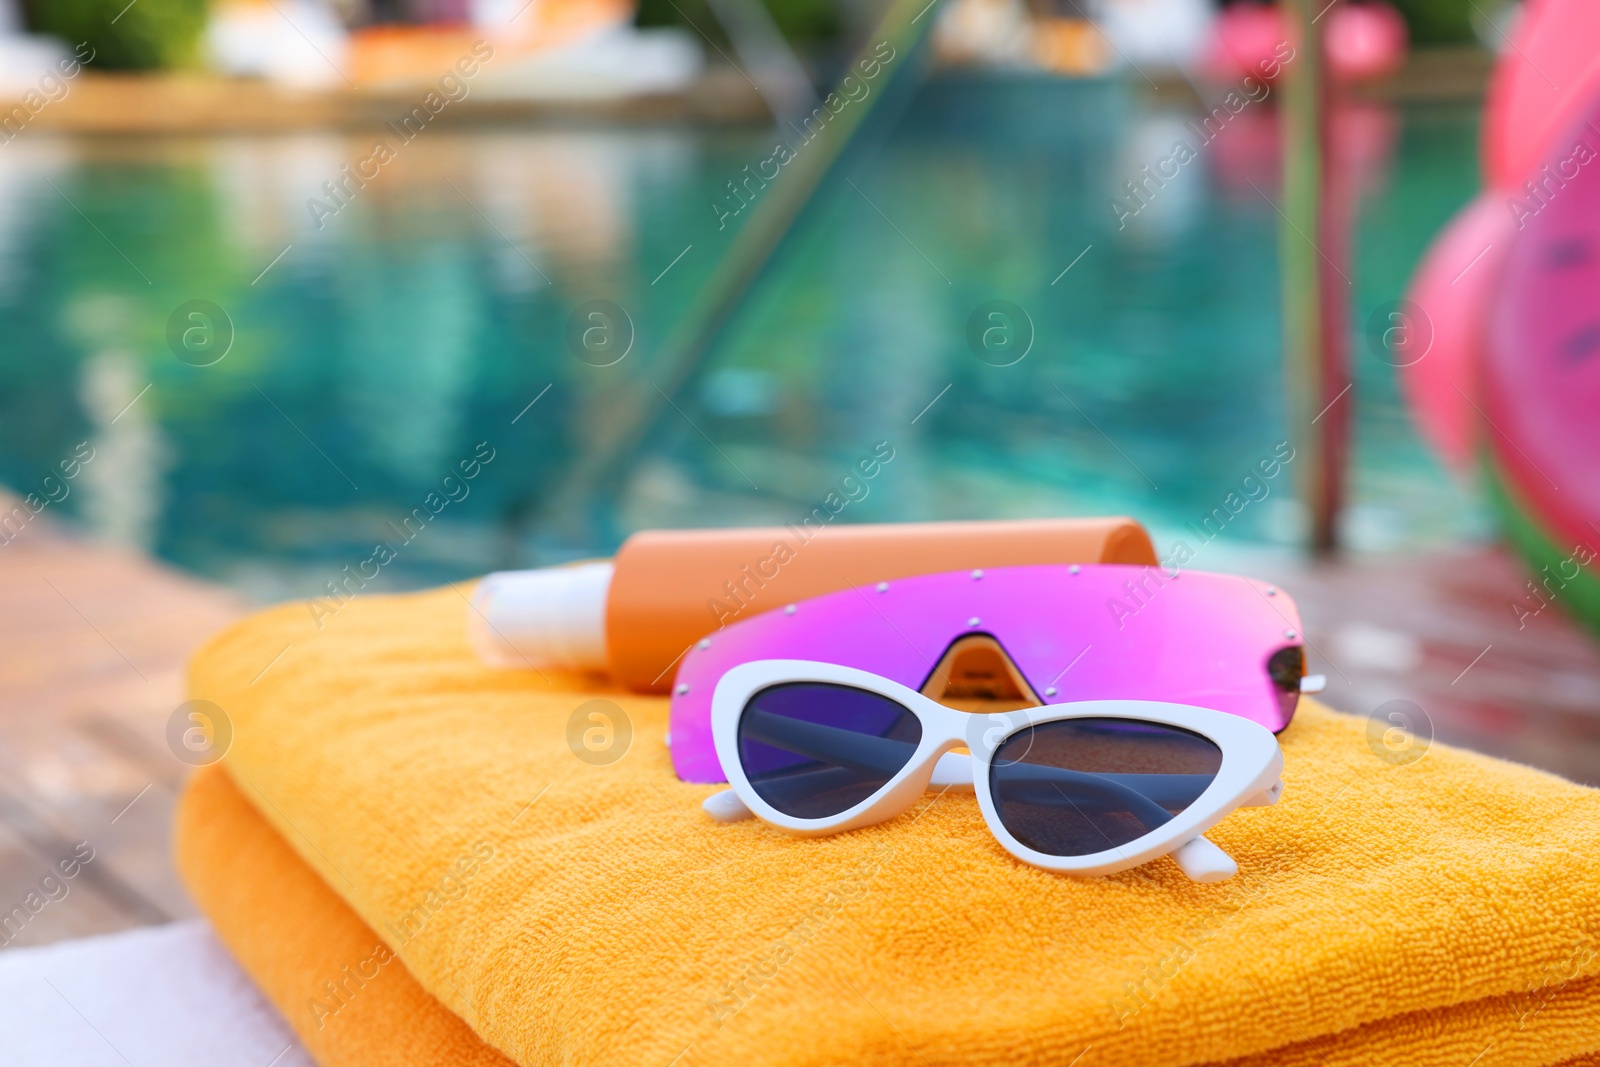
(725,807)
(1199,859)
(953,771)
(1204,862)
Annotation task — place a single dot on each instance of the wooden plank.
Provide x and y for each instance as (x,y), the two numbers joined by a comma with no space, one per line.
(95,644)
(187,103)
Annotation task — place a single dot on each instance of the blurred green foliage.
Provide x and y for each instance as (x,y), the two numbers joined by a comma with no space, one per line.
(1438,21)
(804,22)
(146,35)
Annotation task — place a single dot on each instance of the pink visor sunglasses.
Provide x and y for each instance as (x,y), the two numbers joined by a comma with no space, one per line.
(1014,637)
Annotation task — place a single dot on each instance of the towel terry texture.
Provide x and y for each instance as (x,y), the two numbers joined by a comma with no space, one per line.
(297,936)
(348,997)
(571,910)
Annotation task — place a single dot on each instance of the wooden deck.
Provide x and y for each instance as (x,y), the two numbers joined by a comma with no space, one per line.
(186,103)
(1439,630)
(191,103)
(95,641)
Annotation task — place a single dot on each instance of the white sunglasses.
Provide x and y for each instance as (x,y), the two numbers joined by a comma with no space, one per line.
(1084,788)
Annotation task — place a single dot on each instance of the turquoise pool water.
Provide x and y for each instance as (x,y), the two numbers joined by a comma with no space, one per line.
(372,356)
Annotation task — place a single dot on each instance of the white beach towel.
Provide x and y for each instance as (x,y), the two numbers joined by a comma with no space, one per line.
(166,996)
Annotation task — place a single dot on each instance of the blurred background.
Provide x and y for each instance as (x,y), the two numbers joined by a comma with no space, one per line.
(270,268)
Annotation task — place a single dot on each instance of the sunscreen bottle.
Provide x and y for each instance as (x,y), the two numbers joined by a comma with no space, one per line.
(635,615)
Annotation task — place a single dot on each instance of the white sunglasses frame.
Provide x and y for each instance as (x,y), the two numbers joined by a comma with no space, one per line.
(1250,774)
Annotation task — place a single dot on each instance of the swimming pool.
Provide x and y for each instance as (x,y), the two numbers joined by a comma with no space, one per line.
(437,318)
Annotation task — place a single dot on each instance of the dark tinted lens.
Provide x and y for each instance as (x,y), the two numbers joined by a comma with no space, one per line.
(1081,786)
(1285,668)
(812,749)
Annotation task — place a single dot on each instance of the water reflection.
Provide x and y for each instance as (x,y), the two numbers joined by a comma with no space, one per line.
(27,167)
(377,349)
(122,493)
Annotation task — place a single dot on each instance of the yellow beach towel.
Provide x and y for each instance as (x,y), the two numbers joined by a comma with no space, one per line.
(353,1005)
(349,998)
(578,912)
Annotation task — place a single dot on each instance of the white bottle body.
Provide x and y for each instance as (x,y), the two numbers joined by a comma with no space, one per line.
(553,617)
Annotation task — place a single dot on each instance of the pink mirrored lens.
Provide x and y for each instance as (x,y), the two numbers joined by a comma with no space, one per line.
(1090,632)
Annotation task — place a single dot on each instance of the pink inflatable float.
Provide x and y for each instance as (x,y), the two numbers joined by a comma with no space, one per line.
(1541,383)
(1557,45)
(1362,39)
(1512,293)
(1541,88)
(1445,315)
(1541,369)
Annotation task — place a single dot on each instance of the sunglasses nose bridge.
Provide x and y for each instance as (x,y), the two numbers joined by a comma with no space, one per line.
(944,727)
(977,672)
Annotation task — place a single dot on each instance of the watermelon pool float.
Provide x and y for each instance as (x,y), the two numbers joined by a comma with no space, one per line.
(1558,577)
(1541,87)
(1453,290)
(1541,363)
(1514,376)
(1541,360)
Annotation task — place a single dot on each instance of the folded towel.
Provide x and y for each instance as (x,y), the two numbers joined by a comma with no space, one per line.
(167,995)
(296,934)
(348,997)
(578,911)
